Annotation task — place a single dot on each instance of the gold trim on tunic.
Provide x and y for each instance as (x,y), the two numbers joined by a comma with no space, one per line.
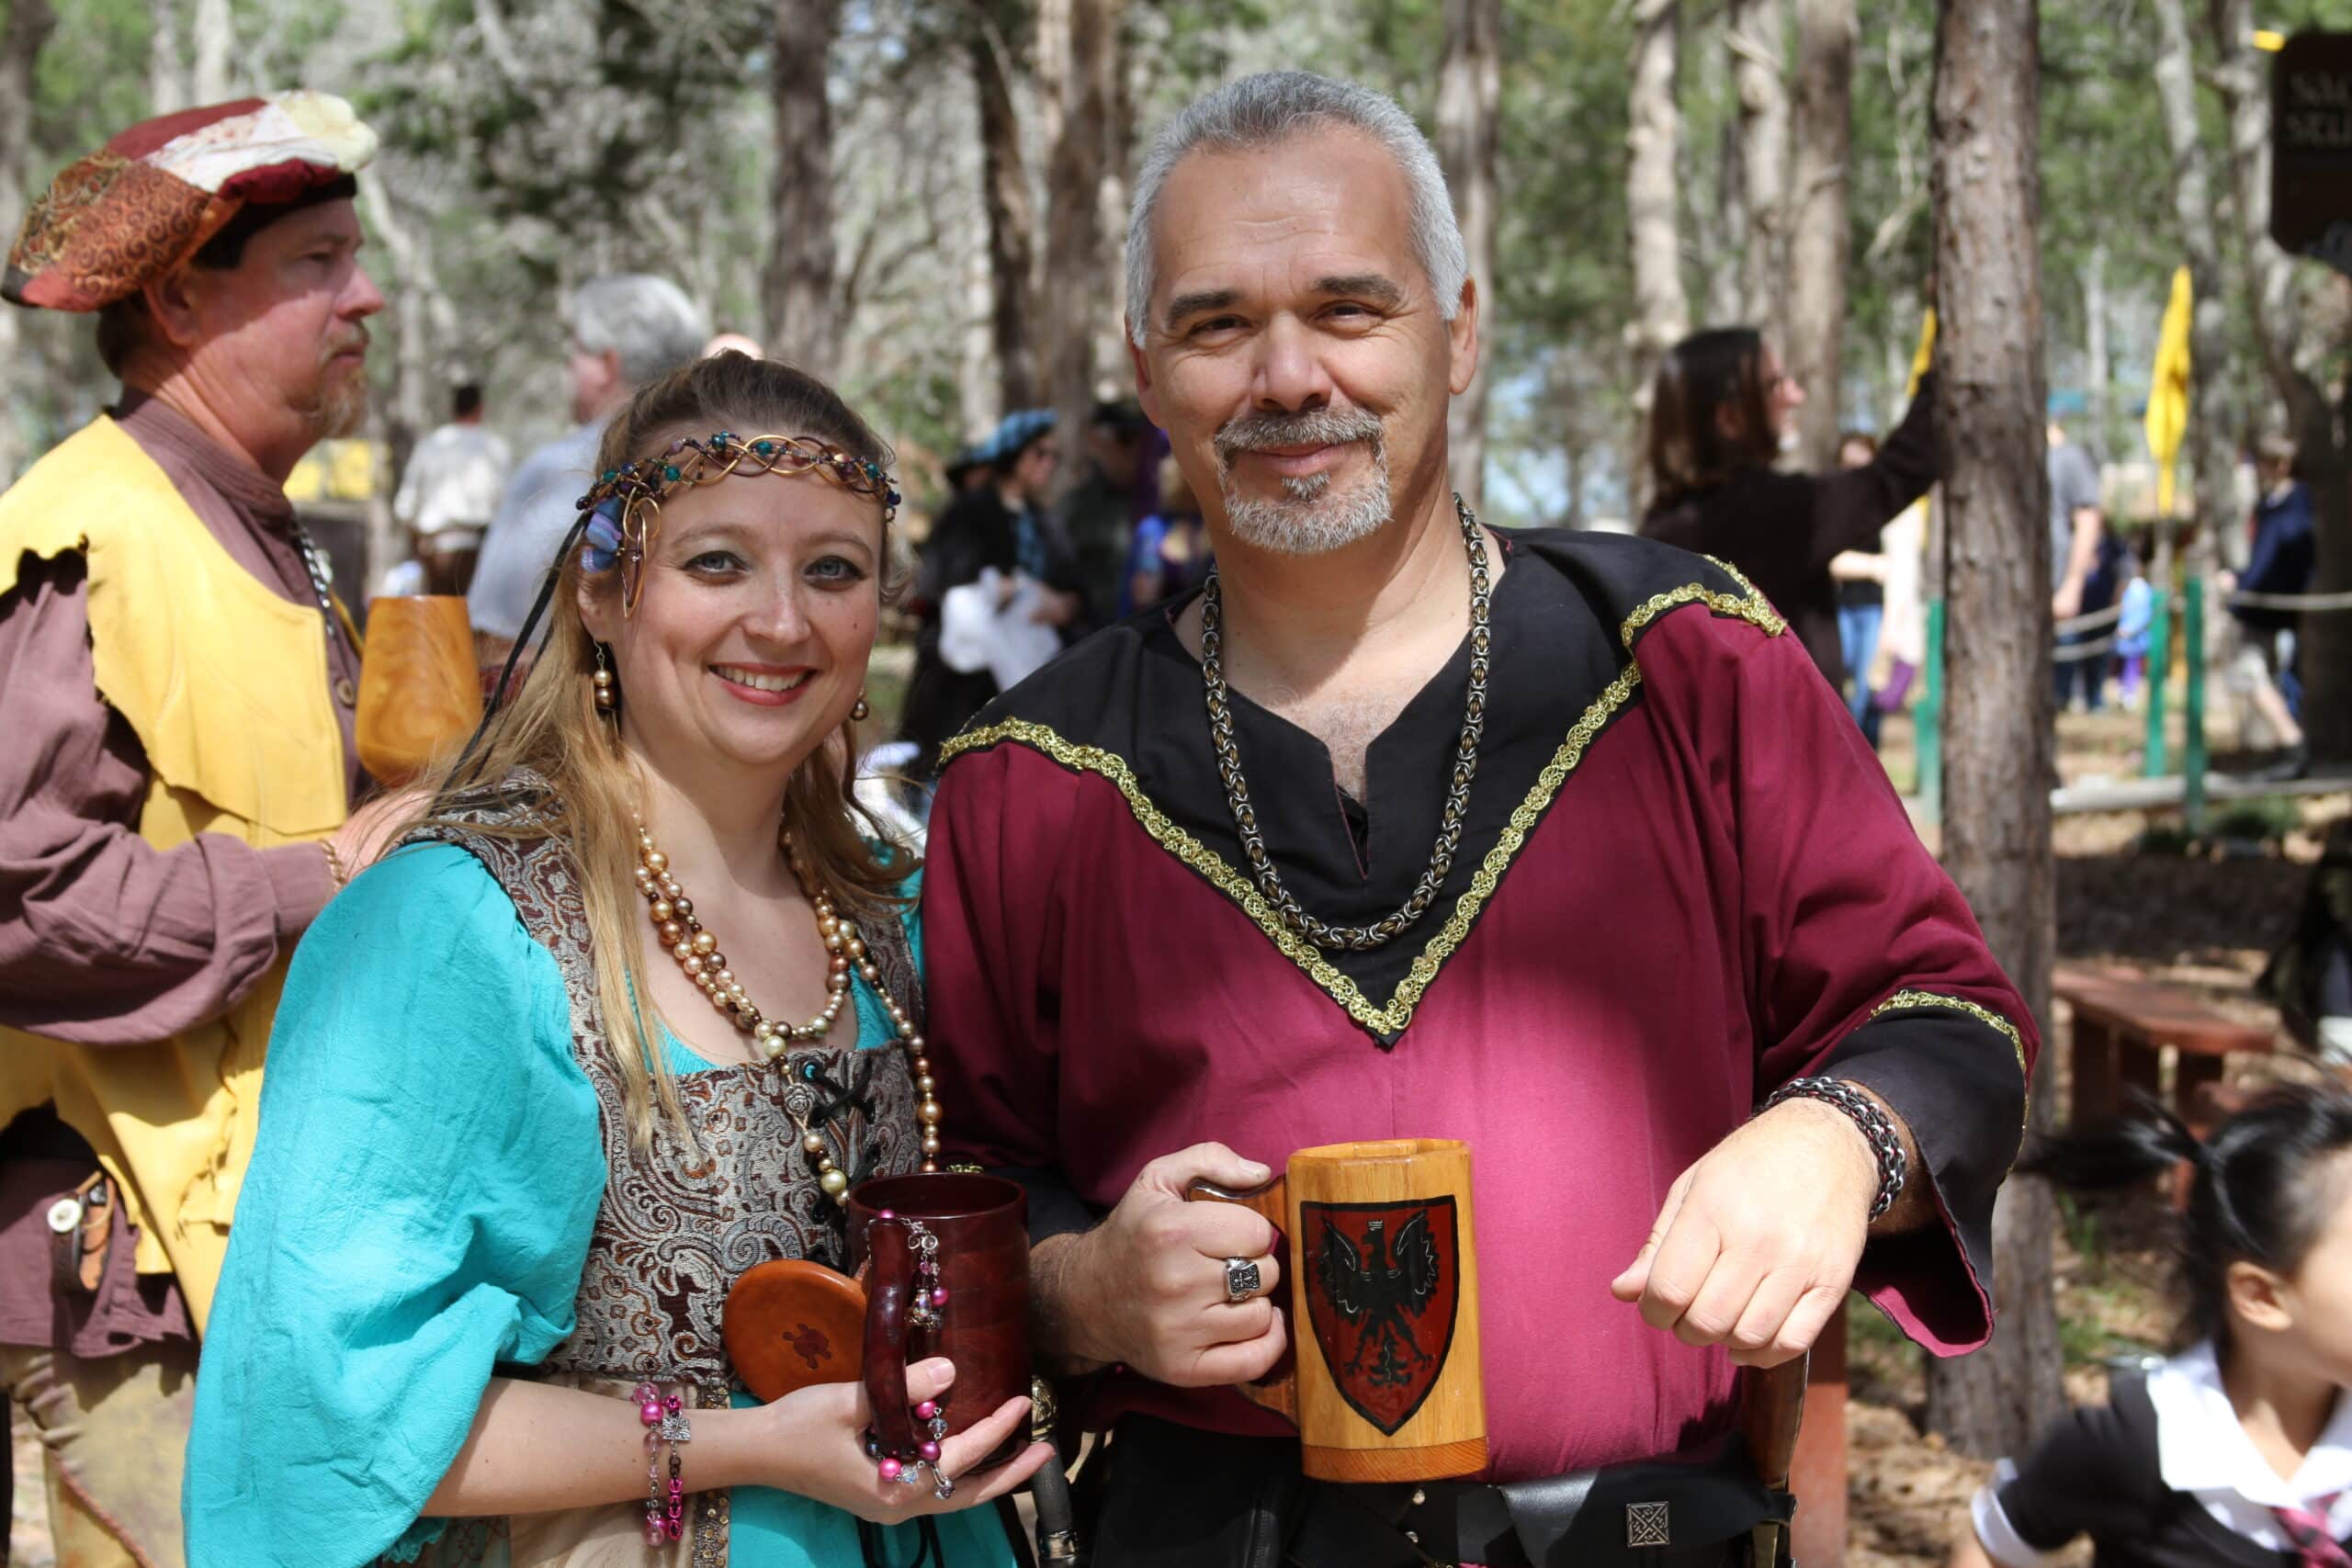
(1391,1019)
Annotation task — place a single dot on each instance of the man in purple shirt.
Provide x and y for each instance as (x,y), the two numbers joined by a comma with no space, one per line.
(218,249)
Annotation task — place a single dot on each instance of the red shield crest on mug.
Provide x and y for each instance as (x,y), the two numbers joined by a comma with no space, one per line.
(1382,1283)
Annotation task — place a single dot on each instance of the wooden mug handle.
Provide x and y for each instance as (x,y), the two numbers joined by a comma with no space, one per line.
(1278,1390)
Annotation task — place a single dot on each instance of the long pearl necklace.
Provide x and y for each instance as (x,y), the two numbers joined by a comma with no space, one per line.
(696,949)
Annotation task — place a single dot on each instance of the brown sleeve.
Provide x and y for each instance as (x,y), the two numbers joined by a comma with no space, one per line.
(1850,507)
(104,940)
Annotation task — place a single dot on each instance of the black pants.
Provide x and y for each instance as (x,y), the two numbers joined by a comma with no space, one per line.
(1178,1498)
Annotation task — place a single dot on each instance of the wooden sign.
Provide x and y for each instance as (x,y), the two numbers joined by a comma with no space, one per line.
(2311,147)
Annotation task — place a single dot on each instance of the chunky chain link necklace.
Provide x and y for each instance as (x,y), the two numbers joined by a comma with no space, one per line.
(1354,939)
(310,560)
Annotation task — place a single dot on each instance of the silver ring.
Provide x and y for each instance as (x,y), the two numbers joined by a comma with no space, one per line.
(1241,1280)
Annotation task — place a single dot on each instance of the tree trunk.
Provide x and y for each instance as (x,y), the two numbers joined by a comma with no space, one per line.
(1004,192)
(216,40)
(2098,374)
(804,316)
(1756,37)
(2292,355)
(2212,441)
(401,420)
(27,28)
(166,72)
(1653,138)
(1819,240)
(1999,747)
(1469,114)
(1076,279)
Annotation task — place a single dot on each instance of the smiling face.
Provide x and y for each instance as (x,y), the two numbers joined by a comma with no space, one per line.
(754,620)
(1293,350)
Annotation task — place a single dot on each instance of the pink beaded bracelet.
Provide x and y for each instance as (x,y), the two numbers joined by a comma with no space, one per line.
(665,1422)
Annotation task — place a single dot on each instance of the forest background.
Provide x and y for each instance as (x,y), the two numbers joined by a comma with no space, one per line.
(925,198)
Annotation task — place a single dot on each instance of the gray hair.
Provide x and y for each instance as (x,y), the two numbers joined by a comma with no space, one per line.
(646,321)
(1268,109)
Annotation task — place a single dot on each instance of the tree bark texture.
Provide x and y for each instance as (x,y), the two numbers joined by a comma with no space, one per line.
(1998,747)
(27,28)
(2292,355)
(1004,192)
(1077,280)
(2097,373)
(1819,239)
(1653,140)
(2212,442)
(418,317)
(166,72)
(1469,116)
(1757,37)
(804,314)
(216,42)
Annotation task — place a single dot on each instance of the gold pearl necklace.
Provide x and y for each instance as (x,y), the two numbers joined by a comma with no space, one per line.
(695,948)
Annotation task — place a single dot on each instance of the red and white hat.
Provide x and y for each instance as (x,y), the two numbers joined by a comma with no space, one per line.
(151,197)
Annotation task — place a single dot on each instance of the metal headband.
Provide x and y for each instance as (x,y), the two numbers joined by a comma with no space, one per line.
(626,503)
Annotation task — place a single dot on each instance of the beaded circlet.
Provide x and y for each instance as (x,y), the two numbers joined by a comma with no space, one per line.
(627,499)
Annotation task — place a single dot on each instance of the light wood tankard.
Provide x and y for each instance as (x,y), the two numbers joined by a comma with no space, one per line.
(420,695)
(1386,1382)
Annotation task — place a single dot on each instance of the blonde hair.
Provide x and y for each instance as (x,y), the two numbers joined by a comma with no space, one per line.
(551,728)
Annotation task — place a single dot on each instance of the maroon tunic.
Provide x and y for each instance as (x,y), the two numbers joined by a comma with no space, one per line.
(1683,881)
(103,939)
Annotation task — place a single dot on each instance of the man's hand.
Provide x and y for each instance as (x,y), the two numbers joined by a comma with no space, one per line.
(1758,1242)
(1147,1286)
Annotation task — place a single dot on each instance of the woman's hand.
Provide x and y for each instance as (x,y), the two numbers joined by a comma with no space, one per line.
(819,1440)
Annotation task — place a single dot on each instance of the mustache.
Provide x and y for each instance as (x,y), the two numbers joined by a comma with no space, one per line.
(1319,427)
(356,339)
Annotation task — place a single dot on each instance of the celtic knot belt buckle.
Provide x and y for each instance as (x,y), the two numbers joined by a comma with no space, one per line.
(1646,1524)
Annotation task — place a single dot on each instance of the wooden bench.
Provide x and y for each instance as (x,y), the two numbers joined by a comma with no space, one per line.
(2122,1024)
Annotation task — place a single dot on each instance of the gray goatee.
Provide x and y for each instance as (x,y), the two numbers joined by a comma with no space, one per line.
(1310,517)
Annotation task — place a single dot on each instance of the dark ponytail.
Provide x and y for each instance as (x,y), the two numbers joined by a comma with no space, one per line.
(2260,1193)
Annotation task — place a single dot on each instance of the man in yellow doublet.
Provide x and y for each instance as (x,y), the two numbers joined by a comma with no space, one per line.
(176,787)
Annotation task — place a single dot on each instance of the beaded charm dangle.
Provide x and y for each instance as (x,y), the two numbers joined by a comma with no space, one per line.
(925,1312)
(861,712)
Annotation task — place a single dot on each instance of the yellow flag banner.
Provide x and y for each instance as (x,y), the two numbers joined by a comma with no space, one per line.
(1926,353)
(2167,419)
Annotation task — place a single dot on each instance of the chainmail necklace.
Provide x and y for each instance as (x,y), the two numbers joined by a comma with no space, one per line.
(318,580)
(1354,939)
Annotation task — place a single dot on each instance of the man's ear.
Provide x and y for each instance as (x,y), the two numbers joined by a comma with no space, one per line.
(1145,393)
(1461,339)
(171,301)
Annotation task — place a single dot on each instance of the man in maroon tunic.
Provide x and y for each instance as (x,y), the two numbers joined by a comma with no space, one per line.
(1182,915)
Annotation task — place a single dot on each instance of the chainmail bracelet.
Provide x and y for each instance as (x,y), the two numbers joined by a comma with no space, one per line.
(1885,1145)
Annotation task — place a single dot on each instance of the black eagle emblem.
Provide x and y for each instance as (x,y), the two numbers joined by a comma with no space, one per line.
(1380,1287)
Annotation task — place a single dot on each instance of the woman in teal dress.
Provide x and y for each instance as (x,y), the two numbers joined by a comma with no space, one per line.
(526,1120)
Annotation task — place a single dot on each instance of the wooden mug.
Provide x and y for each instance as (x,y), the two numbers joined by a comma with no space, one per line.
(420,694)
(1386,1382)
(792,1322)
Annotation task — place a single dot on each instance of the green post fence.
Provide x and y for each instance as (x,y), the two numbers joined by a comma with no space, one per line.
(2151,758)
(1927,720)
(2192,632)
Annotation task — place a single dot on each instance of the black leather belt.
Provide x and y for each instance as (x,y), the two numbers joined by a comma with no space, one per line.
(1179,1496)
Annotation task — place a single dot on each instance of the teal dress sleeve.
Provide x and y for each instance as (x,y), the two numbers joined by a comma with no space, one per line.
(418,1211)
